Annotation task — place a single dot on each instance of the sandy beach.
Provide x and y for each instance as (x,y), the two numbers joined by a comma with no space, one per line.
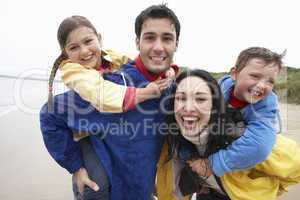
(27,170)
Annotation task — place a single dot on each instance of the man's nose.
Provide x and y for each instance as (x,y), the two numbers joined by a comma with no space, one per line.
(158,45)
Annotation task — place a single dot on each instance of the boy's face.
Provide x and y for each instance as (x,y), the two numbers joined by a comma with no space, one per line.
(255,81)
(157,44)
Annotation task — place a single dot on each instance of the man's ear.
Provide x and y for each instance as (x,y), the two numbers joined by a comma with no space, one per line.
(176,45)
(233,73)
(137,44)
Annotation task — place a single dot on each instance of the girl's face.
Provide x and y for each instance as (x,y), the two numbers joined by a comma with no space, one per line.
(83,46)
(192,106)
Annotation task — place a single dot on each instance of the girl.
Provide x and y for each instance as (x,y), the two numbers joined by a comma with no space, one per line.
(81,63)
(203,128)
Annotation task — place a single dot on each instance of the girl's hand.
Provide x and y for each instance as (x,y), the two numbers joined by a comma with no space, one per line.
(201,167)
(81,179)
(159,85)
(170,73)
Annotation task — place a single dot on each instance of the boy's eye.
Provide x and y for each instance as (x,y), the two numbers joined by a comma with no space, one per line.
(271,82)
(254,76)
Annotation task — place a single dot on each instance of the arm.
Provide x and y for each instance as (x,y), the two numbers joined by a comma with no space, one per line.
(59,142)
(105,95)
(253,146)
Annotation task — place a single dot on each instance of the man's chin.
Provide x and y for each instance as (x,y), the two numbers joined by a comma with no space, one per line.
(158,69)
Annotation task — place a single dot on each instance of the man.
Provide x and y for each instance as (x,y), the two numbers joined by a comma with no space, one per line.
(128,144)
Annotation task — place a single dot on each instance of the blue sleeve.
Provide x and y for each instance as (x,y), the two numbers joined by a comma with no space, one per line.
(253,146)
(58,139)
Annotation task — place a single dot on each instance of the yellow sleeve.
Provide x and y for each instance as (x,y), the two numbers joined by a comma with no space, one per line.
(268,179)
(104,95)
(116,59)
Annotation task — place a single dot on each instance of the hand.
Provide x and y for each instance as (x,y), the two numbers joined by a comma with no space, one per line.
(201,167)
(81,179)
(170,73)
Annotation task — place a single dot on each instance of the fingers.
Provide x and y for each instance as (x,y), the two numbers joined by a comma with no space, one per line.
(88,182)
(163,83)
(82,179)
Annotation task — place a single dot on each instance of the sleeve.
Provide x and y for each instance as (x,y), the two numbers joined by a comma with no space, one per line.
(117,60)
(58,139)
(104,95)
(253,147)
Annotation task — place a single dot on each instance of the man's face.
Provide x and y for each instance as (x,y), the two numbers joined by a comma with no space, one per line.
(157,44)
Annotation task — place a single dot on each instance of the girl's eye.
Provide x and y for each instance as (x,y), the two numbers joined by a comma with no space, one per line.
(88,41)
(73,48)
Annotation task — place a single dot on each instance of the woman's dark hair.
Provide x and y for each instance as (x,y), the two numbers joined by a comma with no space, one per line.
(65,28)
(216,123)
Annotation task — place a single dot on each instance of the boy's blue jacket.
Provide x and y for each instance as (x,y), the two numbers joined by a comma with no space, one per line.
(256,143)
(128,144)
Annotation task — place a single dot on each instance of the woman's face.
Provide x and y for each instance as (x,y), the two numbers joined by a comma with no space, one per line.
(192,106)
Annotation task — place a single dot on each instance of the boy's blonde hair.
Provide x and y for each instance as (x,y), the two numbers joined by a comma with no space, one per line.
(261,53)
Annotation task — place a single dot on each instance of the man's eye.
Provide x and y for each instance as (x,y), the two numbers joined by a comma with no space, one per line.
(149,38)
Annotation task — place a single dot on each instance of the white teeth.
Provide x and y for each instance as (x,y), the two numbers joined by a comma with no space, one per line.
(157,58)
(190,118)
(87,58)
(257,93)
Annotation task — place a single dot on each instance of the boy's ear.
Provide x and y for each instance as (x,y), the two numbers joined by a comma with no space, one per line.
(137,44)
(233,73)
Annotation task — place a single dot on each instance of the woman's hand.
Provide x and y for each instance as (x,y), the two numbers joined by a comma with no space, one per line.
(82,178)
(201,167)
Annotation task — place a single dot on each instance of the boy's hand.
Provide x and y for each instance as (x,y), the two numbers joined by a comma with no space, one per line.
(201,167)
(81,179)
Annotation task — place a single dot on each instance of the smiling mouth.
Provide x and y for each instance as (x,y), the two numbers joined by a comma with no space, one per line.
(256,93)
(189,123)
(88,58)
(158,58)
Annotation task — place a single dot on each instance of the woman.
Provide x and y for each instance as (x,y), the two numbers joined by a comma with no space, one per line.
(203,126)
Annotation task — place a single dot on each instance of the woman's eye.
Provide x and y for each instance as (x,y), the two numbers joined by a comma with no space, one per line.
(200,99)
(179,98)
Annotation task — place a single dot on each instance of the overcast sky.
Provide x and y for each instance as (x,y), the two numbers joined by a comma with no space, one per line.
(213,32)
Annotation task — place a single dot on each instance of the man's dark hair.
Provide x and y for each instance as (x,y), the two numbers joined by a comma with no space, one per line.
(156,12)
